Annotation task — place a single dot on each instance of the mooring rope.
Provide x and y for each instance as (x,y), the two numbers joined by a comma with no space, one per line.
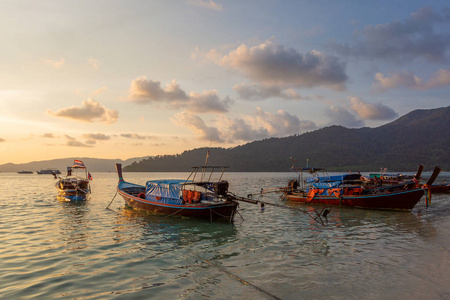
(324,212)
(234,276)
(174,212)
(112,200)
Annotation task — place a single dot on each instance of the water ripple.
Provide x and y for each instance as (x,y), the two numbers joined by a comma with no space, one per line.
(50,248)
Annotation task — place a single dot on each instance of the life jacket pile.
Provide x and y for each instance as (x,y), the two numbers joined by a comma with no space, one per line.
(191,196)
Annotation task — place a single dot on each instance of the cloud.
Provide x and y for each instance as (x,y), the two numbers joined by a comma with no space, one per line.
(402,41)
(94,63)
(281,123)
(48,136)
(100,90)
(440,79)
(74,143)
(96,136)
(206,4)
(89,111)
(196,124)
(354,115)
(248,128)
(371,111)
(57,64)
(262,125)
(338,115)
(136,136)
(239,130)
(273,65)
(258,92)
(145,91)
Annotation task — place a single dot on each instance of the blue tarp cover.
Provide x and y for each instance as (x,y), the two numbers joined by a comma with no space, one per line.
(169,191)
(326,185)
(340,178)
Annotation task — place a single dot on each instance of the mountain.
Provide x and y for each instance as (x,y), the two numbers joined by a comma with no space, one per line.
(420,137)
(93,164)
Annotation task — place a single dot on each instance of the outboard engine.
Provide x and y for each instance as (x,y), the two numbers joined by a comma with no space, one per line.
(220,188)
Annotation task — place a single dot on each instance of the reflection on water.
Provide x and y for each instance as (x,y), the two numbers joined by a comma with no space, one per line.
(73,225)
(51,248)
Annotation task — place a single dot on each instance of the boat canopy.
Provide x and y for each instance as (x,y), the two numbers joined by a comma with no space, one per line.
(387,175)
(334,178)
(164,188)
(326,185)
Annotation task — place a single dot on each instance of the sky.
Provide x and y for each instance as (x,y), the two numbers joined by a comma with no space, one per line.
(121,79)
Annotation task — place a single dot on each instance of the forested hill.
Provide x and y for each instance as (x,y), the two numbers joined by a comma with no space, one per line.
(420,137)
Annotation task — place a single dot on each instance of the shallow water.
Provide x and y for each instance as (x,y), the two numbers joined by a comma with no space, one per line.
(55,249)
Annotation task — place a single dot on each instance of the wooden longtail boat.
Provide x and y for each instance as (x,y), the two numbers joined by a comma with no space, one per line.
(440,188)
(386,179)
(203,199)
(349,190)
(74,187)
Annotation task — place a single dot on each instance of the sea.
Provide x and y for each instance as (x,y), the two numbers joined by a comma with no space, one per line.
(99,249)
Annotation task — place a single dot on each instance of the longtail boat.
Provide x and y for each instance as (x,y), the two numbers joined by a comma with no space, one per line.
(440,188)
(351,190)
(74,187)
(383,178)
(193,197)
(389,178)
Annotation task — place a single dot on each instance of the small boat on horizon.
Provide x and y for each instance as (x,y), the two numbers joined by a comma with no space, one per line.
(49,171)
(25,172)
(352,190)
(74,187)
(198,198)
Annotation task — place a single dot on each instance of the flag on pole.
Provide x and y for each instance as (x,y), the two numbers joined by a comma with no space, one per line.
(89,176)
(78,164)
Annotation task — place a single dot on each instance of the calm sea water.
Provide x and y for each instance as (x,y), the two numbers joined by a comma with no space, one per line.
(54,249)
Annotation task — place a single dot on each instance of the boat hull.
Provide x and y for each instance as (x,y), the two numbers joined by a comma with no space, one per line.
(213,212)
(73,190)
(395,201)
(440,188)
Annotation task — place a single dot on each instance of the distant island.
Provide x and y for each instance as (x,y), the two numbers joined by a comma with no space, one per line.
(419,137)
(93,164)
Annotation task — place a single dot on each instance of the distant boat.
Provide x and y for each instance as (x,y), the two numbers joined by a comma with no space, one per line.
(201,198)
(349,190)
(440,188)
(25,172)
(75,187)
(389,178)
(49,171)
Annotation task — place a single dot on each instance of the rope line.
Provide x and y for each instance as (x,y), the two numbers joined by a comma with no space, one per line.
(112,200)
(235,276)
(317,216)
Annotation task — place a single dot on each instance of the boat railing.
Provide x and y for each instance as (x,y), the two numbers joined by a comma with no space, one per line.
(205,170)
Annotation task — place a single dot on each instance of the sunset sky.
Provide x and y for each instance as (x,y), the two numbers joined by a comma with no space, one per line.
(123,79)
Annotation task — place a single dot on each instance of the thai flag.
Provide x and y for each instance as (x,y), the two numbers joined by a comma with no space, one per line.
(89,176)
(78,164)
